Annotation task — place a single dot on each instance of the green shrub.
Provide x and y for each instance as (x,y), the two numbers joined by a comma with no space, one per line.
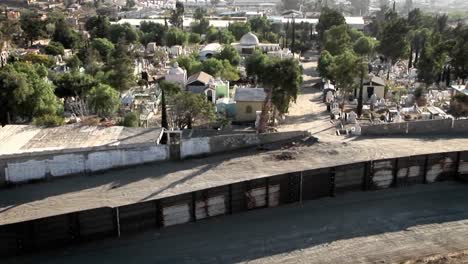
(130,120)
(49,120)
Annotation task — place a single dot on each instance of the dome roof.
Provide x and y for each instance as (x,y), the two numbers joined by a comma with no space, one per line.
(249,39)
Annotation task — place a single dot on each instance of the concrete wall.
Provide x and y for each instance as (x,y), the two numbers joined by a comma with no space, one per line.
(443,126)
(430,126)
(460,126)
(242,115)
(36,166)
(384,129)
(223,143)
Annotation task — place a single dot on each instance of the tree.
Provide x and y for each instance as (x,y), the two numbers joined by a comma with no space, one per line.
(32,25)
(329,18)
(189,108)
(98,26)
(54,48)
(121,71)
(130,120)
(199,13)
(69,38)
(73,84)
(213,67)
(176,18)
(24,93)
(229,72)
(432,60)
(231,54)
(325,63)
(190,63)
(256,65)
(394,44)
(104,47)
(260,24)
(364,47)
(345,72)
(336,39)
(167,89)
(123,32)
(194,38)
(152,32)
(74,63)
(222,36)
(239,29)
(176,36)
(103,100)
(200,27)
(45,60)
(459,54)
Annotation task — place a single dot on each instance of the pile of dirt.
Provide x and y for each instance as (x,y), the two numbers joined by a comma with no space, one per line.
(285,155)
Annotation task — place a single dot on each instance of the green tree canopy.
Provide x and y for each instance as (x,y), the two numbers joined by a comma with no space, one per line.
(394,44)
(336,39)
(24,93)
(345,70)
(104,47)
(103,100)
(33,26)
(190,63)
(64,34)
(190,108)
(98,26)
(213,67)
(72,84)
(329,18)
(231,54)
(123,32)
(239,29)
(176,18)
(325,65)
(54,48)
(152,32)
(176,36)
(121,71)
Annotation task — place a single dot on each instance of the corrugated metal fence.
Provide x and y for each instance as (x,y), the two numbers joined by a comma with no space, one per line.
(79,227)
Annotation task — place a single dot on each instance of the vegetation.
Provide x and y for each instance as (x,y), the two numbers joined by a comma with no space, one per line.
(130,120)
(188,109)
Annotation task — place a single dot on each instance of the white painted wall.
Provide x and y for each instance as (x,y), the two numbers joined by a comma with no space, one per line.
(194,146)
(60,165)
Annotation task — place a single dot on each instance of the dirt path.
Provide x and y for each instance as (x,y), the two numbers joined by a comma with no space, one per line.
(373,227)
(309,112)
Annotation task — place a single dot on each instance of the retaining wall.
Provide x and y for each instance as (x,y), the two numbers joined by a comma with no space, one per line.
(49,164)
(217,144)
(78,227)
(443,126)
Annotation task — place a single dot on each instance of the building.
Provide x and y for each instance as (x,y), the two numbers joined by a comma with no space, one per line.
(374,85)
(209,51)
(249,42)
(177,74)
(248,102)
(213,89)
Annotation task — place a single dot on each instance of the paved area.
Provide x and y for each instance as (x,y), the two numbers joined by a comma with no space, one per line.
(370,227)
(24,138)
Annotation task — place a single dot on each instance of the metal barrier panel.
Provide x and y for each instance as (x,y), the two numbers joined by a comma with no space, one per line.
(349,177)
(441,167)
(238,199)
(137,217)
(463,164)
(315,184)
(211,202)
(9,239)
(382,174)
(177,210)
(410,170)
(97,223)
(53,231)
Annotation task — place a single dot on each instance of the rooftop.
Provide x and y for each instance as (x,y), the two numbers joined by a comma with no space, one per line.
(15,139)
(202,77)
(250,95)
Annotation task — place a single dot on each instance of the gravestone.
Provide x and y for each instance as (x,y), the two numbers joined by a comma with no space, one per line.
(352,116)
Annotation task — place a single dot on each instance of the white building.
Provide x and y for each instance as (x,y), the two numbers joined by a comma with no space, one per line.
(209,51)
(177,74)
(249,42)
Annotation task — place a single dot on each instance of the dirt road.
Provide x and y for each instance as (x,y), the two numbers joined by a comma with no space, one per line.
(373,227)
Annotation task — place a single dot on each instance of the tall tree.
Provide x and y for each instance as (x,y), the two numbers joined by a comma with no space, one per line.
(167,89)
(24,93)
(189,108)
(121,74)
(329,18)
(176,36)
(231,54)
(325,64)
(103,100)
(239,29)
(394,43)
(177,15)
(32,25)
(345,72)
(337,39)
